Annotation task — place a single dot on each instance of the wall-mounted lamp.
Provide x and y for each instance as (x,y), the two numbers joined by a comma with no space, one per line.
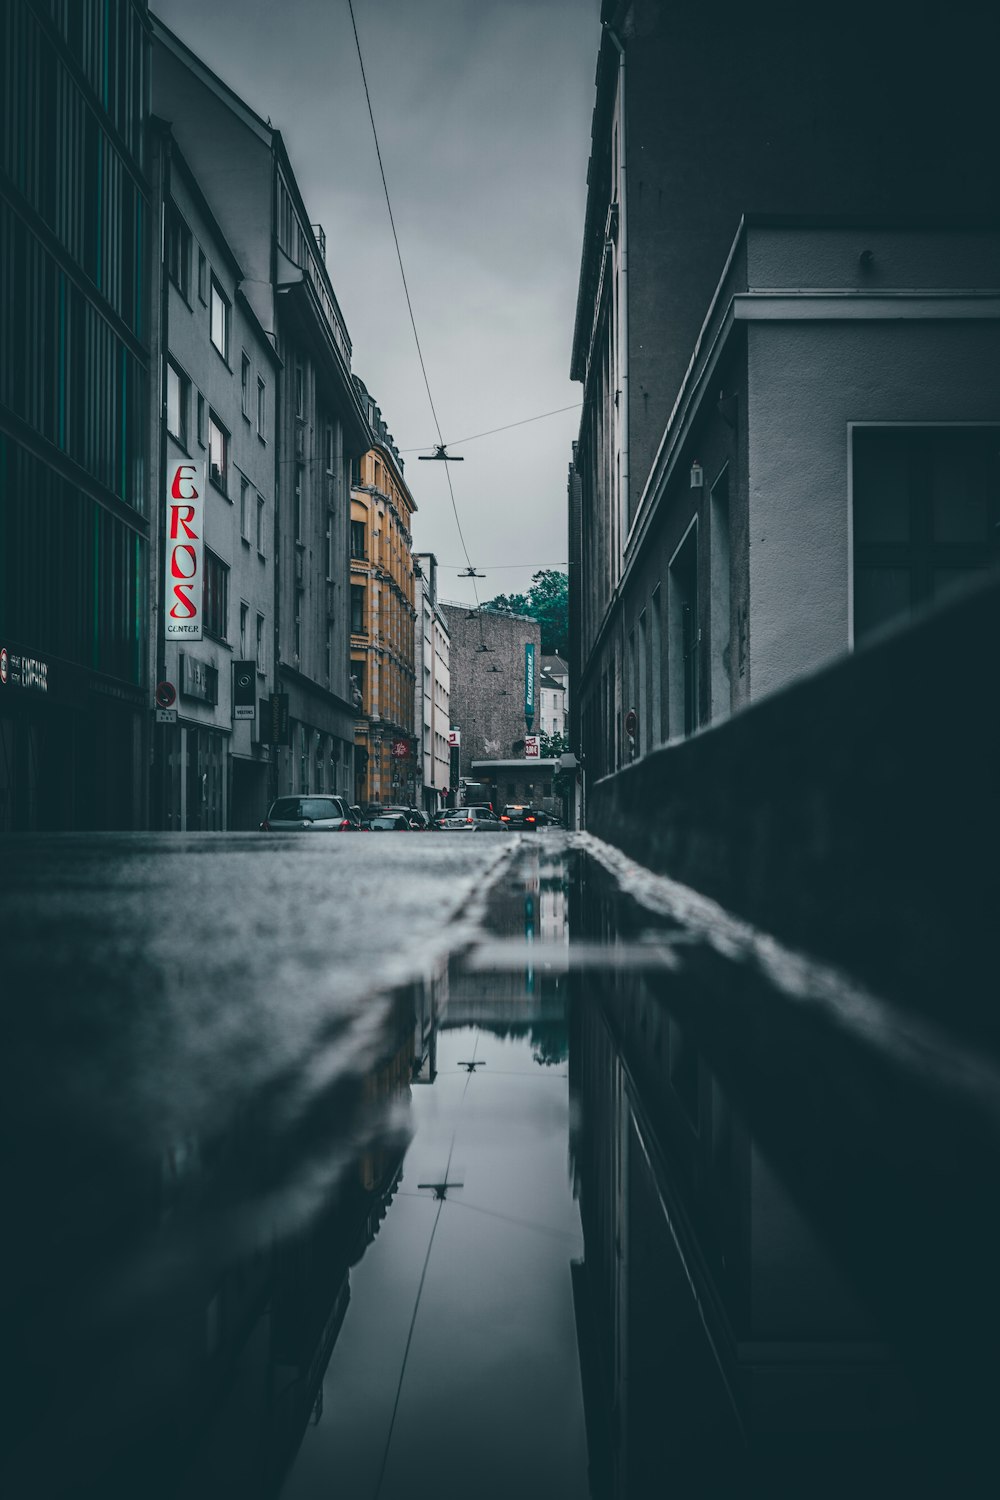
(697,476)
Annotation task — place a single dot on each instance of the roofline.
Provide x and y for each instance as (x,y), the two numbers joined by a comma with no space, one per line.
(161,31)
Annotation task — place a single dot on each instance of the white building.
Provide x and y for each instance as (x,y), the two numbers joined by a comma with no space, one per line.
(433,685)
(553,695)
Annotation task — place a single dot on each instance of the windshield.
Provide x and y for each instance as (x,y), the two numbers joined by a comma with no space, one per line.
(306,807)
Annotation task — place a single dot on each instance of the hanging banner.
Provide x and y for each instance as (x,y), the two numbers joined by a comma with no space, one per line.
(529,682)
(184,556)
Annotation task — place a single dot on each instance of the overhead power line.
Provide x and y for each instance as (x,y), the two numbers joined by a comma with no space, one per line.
(406,290)
(557,411)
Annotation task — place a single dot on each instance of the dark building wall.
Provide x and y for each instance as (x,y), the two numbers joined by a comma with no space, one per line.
(854,814)
(486,706)
(74,236)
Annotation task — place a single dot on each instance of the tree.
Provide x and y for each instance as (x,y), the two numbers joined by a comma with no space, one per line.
(548,601)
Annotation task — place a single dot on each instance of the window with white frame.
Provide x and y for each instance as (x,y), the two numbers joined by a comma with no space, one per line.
(220,317)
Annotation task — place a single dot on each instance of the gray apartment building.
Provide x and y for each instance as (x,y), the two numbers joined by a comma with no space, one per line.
(787,340)
(432,685)
(243,169)
(214,382)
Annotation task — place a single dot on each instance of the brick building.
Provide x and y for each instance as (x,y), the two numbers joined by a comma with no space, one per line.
(488,658)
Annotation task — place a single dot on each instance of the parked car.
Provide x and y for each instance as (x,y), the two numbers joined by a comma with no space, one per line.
(415,816)
(473,820)
(308,814)
(389,822)
(443,814)
(356,816)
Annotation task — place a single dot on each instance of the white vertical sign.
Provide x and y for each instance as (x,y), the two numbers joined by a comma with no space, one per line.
(184,570)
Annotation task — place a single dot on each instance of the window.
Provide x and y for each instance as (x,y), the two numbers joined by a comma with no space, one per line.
(299,392)
(683,637)
(356,471)
(357,539)
(244,622)
(201,419)
(261,665)
(926,508)
(260,407)
(218,452)
(260,524)
(357,609)
(178,391)
(216,596)
(220,319)
(358,670)
(329,448)
(177,250)
(244,508)
(298,624)
(297,502)
(245,383)
(330,532)
(202,275)
(720,611)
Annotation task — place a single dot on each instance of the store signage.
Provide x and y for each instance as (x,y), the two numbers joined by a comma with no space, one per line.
(454,739)
(184,570)
(244,689)
(23,671)
(532,746)
(400,749)
(529,681)
(198,679)
(275,728)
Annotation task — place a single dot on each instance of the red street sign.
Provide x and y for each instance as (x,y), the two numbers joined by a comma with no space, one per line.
(400,749)
(165,694)
(631,723)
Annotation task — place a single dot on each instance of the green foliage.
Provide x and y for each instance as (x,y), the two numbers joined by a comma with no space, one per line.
(554,745)
(548,601)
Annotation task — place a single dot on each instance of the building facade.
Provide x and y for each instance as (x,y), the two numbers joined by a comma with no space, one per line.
(241,163)
(770,548)
(490,656)
(553,696)
(74,459)
(432,698)
(215,376)
(383,621)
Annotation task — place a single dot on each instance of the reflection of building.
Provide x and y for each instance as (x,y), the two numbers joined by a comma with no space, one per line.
(488,680)
(214,380)
(432,700)
(75,484)
(382,618)
(717,1331)
(785,441)
(241,163)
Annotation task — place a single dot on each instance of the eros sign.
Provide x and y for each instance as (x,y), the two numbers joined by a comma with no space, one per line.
(184,554)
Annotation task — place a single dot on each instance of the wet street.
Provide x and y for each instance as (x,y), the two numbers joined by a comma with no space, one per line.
(404,1167)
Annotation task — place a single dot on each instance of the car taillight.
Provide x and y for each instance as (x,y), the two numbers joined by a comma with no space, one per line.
(504,818)
(529,820)
(470,820)
(265,827)
(345,824)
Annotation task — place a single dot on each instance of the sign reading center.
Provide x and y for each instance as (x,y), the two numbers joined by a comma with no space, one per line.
(183,574)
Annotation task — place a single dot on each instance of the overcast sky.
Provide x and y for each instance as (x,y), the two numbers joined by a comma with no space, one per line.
(483,111)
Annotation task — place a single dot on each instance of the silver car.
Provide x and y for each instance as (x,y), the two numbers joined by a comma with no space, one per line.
(319,813)
(473,820)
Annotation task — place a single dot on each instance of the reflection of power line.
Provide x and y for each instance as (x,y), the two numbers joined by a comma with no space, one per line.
(493,1213)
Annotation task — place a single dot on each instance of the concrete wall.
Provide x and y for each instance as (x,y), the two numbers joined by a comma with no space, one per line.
(488,707)
(807,382)
(855,814)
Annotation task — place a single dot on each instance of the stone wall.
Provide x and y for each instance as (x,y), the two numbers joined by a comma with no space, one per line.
(487,706)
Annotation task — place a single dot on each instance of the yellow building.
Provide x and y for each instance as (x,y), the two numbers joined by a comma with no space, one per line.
(382,621)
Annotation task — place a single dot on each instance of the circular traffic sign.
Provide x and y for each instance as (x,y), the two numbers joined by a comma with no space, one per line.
(165,695)
(4,664)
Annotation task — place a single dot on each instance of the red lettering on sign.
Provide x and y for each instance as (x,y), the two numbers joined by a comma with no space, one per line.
(183,487)
(176,519)
(176,554)
(181,595)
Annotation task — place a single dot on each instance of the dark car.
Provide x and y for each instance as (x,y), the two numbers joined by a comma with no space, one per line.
(318,813)
(416,818)
(389,822)
(517,815)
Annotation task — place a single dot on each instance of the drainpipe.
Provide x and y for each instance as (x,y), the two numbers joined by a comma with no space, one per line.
(622,297)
